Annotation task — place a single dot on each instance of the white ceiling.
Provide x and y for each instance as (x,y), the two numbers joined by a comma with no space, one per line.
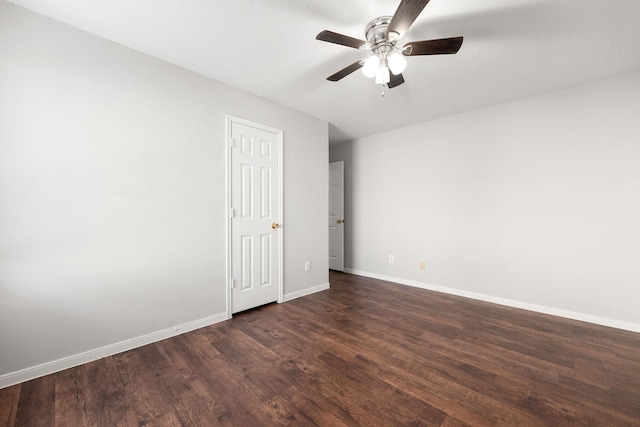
(512,49)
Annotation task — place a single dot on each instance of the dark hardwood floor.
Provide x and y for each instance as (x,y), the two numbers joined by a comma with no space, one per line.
(365,352)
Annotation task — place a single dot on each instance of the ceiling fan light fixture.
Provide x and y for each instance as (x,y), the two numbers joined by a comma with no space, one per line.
(371,66)
(397,63)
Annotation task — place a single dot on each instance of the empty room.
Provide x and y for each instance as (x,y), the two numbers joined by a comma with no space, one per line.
(319,213)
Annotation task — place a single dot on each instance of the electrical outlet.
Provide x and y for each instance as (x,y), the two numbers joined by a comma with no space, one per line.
(421,265)
(307,266)
(390,258)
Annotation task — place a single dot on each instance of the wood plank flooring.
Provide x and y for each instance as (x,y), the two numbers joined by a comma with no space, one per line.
(365,352)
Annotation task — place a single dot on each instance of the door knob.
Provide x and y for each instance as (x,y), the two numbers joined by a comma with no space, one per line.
(275,225)
(340,221)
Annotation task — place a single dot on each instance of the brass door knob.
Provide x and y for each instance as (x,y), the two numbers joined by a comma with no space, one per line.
(275,225)
(340,221)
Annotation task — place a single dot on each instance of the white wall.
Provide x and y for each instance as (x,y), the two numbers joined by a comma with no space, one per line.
(534,203)
(112,195)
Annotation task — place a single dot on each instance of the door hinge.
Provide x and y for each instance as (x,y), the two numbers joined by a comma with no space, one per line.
(232,142)
(234,283)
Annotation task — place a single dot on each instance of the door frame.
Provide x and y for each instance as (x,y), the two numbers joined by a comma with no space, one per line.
(229,120)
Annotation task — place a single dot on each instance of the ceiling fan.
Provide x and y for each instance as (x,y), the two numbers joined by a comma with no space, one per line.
(387,61)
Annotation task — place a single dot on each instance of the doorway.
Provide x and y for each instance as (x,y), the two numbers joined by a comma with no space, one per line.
(336,216)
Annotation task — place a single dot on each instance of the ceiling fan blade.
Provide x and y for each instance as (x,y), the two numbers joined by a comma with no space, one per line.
(331,37)
(433,47)
(345,71)
(395,80)
(407,12)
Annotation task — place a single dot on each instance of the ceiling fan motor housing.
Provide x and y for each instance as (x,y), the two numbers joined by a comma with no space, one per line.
(376,34)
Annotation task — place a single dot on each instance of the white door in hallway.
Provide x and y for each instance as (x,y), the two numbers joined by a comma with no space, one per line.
(336,216)
(255,214)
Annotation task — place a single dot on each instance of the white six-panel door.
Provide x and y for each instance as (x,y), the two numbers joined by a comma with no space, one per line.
(336,216)
(256,233)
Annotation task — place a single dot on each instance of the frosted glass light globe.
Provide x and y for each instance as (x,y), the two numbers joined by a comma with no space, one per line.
(397,63)
(371,65)
(382,76)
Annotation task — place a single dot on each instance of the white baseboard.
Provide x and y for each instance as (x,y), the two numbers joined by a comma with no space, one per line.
(503,301)
(47,368)
(304,292)
(54,366)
